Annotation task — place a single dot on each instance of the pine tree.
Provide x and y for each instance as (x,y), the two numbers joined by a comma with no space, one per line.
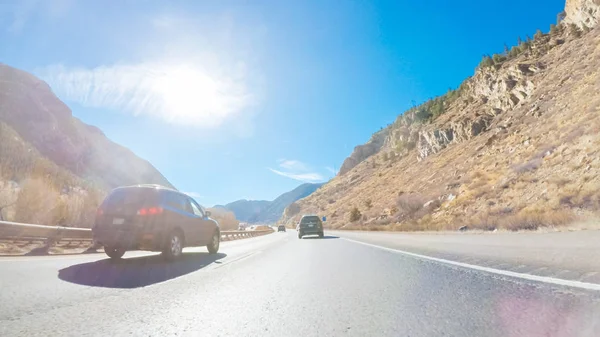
(486,61)
(498,58)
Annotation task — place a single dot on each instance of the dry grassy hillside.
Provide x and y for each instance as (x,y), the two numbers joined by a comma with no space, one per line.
(516,146)
(226,219)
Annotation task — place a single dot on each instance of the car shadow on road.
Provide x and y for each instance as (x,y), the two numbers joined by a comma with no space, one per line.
(316,237)
(135,272)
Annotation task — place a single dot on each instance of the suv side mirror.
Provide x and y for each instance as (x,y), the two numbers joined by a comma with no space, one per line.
(324,219)
(207,213)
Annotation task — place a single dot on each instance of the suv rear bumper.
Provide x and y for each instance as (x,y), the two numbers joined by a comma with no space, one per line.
(129,239)
(310,230)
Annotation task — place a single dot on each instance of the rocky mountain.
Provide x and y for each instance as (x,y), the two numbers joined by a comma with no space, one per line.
(361,152)
(43,147)
(28,106)
(514,146)
(262,211)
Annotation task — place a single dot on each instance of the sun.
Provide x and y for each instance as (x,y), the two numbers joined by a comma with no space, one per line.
(187,93)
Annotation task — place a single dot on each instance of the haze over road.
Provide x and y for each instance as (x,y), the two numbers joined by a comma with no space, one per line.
(277,285)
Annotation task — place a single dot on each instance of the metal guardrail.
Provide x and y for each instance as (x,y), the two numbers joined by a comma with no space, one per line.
(14,231)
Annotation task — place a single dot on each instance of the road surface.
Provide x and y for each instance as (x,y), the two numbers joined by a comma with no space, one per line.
(573,256)
(277,285)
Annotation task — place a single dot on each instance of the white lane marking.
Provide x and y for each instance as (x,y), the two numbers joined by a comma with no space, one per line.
(243,257)
(529,277)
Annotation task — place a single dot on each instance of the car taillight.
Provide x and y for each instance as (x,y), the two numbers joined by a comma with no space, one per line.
(150,211)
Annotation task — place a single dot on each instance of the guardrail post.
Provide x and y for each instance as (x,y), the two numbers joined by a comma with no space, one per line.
(49,242)
(94,247)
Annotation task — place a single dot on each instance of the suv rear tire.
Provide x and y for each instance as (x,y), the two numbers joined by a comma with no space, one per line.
(114,253)
(173,246)
(215,242)
(321,235)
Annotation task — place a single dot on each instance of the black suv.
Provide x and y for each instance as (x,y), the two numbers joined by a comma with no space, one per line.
(310,224)
(281,228)
(154,218)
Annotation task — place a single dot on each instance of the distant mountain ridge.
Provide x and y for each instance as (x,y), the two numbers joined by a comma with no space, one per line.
(263,211)
(245,210)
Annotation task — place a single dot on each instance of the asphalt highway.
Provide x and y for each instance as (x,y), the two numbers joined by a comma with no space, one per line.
(278,285)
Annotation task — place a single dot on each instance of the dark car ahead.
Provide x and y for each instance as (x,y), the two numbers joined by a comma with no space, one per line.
(154,218)
(281,228)
(310,225)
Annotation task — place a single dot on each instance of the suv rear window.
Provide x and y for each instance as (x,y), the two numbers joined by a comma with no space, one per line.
(178,201)
(130,198)
(312,218)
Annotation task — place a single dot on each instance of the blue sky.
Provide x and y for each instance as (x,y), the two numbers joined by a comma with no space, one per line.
(247,99)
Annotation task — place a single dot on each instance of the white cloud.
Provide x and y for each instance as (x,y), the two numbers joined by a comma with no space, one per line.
(183,94)
(293,165)
(297,170)
(193,194)
(304,177)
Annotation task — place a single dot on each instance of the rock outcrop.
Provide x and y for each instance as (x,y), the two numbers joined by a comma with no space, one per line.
(434,140)
(362,152)
(583,12)
(492,92)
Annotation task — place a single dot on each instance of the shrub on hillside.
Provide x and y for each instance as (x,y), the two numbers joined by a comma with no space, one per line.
(575,30)
(528,166)
(355,215)
(422,115)
(409,206)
